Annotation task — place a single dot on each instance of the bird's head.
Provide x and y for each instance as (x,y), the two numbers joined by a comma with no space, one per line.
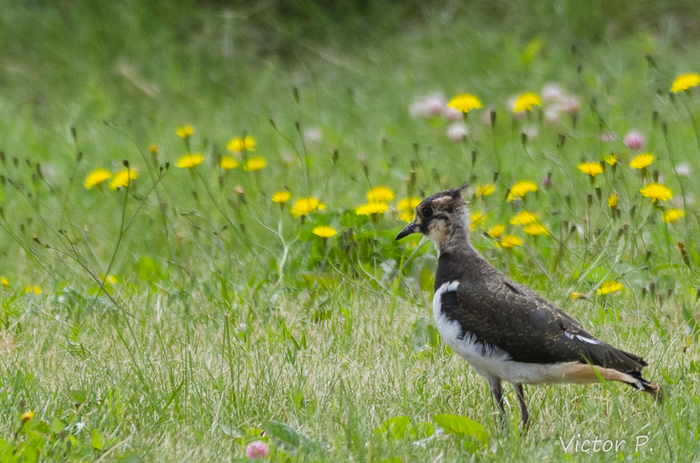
(442,217)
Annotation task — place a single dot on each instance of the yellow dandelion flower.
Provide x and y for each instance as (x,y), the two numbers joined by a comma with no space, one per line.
(464,102)
(372,209)
(524,218)
(4,281)
(228,163)
(324,231)
(496,231)
(406,216)
(254,164)
(641,161)
(379,194)
(185,131)
(612,201)
(190,161)
(525,102)
(28,416)
(510,241)
(281,197)
(408,204)
(476,219)
(305,206)
(407,207)
(590,168)
(684,82)
(483,191)
(521,188)
(611,159)
(123,177)
(672,215)
(535,229)
(153,148)
(111,279)
(96,177)
(36,289)
(656,191)
(577,296)
(242,144)
(609,287)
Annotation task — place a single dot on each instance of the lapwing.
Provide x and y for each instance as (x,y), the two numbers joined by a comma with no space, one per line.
(506,331)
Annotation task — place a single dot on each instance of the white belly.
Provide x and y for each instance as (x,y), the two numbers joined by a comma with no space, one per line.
(487,360)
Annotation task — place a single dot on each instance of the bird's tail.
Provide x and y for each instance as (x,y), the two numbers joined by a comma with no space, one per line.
(642,384)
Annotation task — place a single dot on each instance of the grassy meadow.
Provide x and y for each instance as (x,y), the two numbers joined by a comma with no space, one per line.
(198,205)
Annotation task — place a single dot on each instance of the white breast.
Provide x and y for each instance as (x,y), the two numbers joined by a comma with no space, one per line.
(488,360)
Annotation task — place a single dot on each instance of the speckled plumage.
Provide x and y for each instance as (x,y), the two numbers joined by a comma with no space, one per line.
(506,331)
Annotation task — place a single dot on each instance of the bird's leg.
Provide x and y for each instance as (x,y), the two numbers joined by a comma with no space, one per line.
(525,416)
(497,392)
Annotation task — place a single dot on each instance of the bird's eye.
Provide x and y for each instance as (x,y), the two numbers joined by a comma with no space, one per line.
(427,212)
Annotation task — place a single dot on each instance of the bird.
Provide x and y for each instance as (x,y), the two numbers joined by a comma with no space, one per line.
(504,330)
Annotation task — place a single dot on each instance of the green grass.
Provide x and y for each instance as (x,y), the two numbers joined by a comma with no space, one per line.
(204,339)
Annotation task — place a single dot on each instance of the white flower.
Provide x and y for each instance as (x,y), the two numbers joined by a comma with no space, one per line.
(552,115)
(607,137)
(457,132)
(571,105)
(313,135)
(530,132)
(552,93)
(429,106)
(452,114)
(683,169)
(48,171)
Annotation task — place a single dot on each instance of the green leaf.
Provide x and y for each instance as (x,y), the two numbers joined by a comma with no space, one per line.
(455,424)
(532,49)
(691,321)
(422,430)
(38,426)
(230,432)
(224,290)
(322,313)
(147,268)
(423,334)
(129,458)
(636,280)
(597,275)
(286,434)
(57,426)
(36,440)
(426,280)
(325,280)
(78,396)
(394,428)
(98,441)
(30,455)
(7,452)
(665,284)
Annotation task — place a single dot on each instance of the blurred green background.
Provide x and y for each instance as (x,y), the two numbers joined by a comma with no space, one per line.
(136,60)
(227,68)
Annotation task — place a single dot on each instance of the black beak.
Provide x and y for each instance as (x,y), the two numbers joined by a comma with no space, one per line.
(410,229)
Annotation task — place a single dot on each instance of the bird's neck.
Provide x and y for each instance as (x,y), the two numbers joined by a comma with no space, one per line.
(454,239)
(463,263)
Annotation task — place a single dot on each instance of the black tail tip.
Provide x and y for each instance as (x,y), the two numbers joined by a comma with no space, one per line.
(656,391)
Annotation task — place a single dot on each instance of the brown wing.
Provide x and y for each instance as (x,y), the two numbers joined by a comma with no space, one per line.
(528,327)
